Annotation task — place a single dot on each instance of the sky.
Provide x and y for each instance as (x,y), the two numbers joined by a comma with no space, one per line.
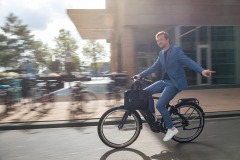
(46,17)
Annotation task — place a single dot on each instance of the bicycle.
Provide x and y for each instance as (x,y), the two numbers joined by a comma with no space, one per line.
(120,126)
(10,95)
(113,96)
(81,101)
(41,95)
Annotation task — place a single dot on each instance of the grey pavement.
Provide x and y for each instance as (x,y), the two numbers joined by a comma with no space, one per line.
(218,141)
(224,102)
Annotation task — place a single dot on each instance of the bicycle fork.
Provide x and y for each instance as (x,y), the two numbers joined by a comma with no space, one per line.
(124,119)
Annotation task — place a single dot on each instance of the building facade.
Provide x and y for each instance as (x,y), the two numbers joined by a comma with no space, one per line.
(208,32)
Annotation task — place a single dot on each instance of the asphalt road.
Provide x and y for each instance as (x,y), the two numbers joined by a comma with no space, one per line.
(219,141)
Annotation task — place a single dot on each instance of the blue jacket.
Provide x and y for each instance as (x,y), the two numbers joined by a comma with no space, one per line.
(176,60)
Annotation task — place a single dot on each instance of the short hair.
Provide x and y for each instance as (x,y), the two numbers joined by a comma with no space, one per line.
(166,35)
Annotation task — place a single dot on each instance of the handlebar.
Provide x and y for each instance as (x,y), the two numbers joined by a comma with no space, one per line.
(139,84)
(143,80)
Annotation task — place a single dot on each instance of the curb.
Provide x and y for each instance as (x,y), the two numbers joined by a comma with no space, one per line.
(47,124)
(91,122)
(225,114)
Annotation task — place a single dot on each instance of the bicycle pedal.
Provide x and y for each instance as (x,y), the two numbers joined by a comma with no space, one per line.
(156,127)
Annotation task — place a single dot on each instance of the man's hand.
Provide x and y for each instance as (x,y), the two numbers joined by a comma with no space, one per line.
(137,76)
(207,73)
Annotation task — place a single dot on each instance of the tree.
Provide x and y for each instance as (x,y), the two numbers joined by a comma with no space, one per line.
(16,39)
(5,54)
(74,65)
(42,55)
(95,51)
(66,44)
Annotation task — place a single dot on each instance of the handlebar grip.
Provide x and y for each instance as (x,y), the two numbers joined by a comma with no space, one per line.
(135,77)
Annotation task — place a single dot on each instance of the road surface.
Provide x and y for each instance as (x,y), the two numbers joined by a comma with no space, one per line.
(218,141)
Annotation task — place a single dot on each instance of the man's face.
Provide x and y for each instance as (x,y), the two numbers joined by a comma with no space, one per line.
(162,41)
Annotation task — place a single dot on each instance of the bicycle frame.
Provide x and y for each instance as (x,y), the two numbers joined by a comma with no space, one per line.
(149,118)
(158,126)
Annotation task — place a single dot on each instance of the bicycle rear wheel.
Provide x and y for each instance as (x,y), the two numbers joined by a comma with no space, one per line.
(118,127)
(189,120)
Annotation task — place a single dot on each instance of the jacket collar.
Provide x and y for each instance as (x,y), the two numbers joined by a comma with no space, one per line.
(163,58)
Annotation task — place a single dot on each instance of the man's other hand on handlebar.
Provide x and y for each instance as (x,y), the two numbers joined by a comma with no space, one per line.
(136,77)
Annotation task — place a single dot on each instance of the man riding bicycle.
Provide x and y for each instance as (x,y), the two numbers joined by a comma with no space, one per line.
(173,60)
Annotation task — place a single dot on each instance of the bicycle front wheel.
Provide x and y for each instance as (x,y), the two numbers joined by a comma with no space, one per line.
(189,120)
(118,127)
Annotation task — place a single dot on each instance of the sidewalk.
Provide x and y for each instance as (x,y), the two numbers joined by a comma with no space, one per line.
(215,102)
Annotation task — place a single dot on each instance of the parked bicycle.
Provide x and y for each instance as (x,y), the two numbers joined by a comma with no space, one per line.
(81,101)
(10,95)
(120,126)
(42,96)
(113,95)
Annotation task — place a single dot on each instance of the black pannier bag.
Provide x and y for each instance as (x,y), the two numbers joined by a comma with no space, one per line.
(136,98)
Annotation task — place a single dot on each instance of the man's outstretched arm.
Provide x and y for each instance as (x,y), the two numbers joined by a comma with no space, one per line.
(192,64)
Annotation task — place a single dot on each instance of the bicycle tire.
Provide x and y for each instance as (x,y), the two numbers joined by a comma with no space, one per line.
(193,123)
(109,124)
